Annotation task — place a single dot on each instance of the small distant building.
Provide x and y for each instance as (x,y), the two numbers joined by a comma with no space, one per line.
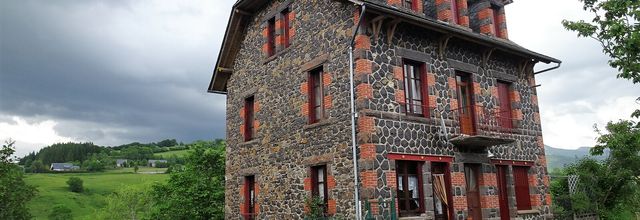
(63,167)
(121,162)
(153,163)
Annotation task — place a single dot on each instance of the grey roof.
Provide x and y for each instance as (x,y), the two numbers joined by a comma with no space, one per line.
(156,161)
(121,161)
(61,166)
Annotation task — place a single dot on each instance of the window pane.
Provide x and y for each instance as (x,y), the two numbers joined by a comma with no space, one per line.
(321,191)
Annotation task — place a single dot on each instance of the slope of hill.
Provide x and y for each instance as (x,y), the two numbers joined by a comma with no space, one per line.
(558,158)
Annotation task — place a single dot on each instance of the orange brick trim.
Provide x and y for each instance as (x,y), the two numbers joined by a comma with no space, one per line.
(364,91)
(400,97)
(489,201)
(363,67)
(369,179)
(366,124)
(331,206)
(392,180)
(328,102)
(367,151)
(331,182)
(363,42)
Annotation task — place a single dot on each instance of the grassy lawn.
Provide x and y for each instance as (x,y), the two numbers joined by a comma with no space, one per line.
(178,153)
(53,190)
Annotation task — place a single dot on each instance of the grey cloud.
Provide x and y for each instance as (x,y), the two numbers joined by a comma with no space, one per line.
(102,77)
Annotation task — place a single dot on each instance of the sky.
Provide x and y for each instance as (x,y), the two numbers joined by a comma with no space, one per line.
(114,72)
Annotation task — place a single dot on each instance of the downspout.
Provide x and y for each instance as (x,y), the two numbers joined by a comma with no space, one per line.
(353,118)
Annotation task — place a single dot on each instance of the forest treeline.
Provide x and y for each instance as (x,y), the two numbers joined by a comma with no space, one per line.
(91,157)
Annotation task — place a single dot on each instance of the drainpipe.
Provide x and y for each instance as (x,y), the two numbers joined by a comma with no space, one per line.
(353,118)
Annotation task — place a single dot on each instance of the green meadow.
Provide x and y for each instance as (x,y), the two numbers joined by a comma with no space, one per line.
(53,189)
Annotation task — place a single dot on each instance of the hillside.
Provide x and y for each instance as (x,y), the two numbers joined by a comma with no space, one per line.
(53,189)
(558,158)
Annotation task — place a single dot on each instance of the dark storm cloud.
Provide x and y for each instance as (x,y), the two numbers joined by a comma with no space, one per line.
(109,72)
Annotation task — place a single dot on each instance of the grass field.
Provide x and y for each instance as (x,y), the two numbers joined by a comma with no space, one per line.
(53,190)
(178,153)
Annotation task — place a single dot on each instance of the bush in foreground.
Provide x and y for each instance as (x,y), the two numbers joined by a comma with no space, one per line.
(75,184)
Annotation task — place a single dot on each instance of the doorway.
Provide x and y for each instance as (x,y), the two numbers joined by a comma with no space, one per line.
(503,196)
(471,174)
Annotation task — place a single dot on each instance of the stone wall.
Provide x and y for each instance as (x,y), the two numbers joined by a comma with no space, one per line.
(394,132)
(285,146)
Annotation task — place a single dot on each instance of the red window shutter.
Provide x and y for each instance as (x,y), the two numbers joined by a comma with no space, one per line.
(285,27)
(454,11)
(505,105)
(521,179)
(248,119)
(496,22)
(272,36)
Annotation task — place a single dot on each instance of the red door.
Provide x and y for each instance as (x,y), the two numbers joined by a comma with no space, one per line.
(465,103)
(505,106)
(503,193)
(471,172)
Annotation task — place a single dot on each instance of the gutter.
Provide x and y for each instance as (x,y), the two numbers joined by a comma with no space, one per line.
(354,115)
(549,69)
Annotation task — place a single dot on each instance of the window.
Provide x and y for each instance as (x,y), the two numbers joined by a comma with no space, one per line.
(248,119)
(409,4)
(454,11)
(504,113)
(319,184)
(285,28)
(414,89)
(496,21)
(271,36)
(521,179)
(410,196)
(441,190)
(316,96)
(249,197)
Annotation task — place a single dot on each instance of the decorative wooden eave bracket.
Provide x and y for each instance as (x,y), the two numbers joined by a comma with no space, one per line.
(376,25)
(524,66)
(391,29)
(486,55)
(225,70)
(443,42)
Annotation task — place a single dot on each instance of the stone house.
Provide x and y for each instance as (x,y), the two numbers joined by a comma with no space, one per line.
(446,123)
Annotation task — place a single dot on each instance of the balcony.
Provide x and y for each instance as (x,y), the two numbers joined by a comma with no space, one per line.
(480,127)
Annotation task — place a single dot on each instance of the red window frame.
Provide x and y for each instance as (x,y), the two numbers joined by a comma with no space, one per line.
(248,118)
(454,11)
(505,113)
(319,184)
(285,27)
(496,21)
(316,95)
(410,4)
(249,197)
(419,78)
(271,36)
(521,180)
(402,173)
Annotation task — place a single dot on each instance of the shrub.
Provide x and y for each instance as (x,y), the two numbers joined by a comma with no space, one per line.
(60,212)
(75,184)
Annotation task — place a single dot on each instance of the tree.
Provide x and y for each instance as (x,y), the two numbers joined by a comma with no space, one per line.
(38,167)
(60,212)
(14,192)
(75,184)
(197,190)
(127,203)
(135,168)
(610,187)
(615,26)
